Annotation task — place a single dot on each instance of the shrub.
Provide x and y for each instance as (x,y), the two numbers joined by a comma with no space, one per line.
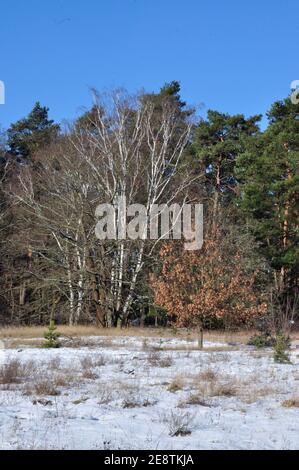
(41,387)
(61,380)
(105,397)
(282,343)
(11,372)
(261,341)
(179,424)
(51,336)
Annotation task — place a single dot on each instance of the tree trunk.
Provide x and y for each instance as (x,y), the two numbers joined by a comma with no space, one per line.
(22,294)
(71,297)
(129,298)
(142,317)
(200,336)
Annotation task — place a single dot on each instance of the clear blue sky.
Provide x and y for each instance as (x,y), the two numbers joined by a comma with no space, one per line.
(232,55)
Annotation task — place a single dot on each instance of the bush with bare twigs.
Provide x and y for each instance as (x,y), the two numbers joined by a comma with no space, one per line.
(179,423)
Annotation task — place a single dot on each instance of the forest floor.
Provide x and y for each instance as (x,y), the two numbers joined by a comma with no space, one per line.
(145,391)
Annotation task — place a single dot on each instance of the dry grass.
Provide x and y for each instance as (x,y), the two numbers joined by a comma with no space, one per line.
(91,361)
(16,372)
(226,389)
(55,363)
(203,379)
(125,387)
(43,386)
(73,336)
(131,402)
(88,363)
(135,402)
(291,403)
(259,354)
(62,380)
(219,349)
(179,423)
(189,348)
(105,396)
(80,400)
(76,336)
(12,372)
(207,375)
(89,374)
(130,394)
(209,384)
(176,384)
(15,343)
(91,330)
(194,399)
(251,390)
(82,330)
(157,360)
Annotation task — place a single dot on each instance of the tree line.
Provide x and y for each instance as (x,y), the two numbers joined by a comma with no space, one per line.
(153,149)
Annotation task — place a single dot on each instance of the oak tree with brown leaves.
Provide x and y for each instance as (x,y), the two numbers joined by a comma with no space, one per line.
(216,282)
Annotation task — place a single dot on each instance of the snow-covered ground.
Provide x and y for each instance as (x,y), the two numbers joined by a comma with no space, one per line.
(131,393)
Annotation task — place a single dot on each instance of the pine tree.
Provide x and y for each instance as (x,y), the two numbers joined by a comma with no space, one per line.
(51,336)
(280,349)
(30,134)
(269,173)
(218,141)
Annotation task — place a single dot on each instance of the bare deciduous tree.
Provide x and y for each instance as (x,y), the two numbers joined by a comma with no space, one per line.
(124,148)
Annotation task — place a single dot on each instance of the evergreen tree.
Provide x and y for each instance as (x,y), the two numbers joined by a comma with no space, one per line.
(268,170)
(217,143)
(30,134)
(169,94)
(51,336)
(89,120)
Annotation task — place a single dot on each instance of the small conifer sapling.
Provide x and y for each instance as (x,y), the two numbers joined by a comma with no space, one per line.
(51,336)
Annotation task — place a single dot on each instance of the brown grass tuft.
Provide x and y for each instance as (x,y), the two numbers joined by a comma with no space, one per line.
(157,360)
(291,403)
(42,387)
(176,384)
(194,399)
(207,375)
(208,384)
(12,372)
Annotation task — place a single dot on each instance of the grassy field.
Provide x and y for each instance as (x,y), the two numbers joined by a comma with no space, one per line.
(81,331)
(77,335)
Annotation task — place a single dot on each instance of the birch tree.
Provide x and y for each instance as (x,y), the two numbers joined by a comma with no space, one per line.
(126,147)
(137,153)
(56,201)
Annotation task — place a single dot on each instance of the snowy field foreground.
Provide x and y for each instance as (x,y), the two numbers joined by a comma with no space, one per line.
(131,393)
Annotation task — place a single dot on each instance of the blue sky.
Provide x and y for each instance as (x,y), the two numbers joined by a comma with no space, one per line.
(233,56)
